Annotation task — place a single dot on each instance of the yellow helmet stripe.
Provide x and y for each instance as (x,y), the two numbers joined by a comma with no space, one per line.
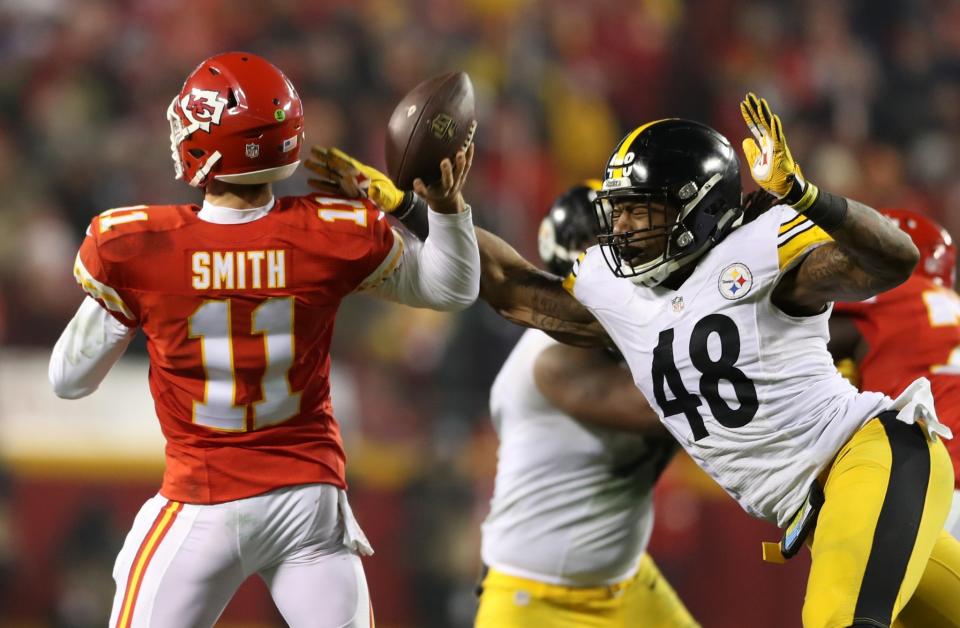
(628,141)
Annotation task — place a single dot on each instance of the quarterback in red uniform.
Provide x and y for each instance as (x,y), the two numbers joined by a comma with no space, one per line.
(911,331)
(237,299)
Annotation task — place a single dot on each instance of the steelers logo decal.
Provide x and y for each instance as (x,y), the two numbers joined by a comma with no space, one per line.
(547,241)
(736,280)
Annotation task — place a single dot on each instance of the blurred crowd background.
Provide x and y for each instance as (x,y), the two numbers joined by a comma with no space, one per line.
(869,93)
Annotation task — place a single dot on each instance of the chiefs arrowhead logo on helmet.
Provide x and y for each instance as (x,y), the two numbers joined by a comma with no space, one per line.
(201,108)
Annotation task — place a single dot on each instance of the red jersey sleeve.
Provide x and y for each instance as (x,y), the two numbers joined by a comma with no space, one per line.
(94,275)
(385,252)
(364,236)
(854,308)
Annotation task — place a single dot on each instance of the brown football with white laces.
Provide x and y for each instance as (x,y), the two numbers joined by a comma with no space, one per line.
(432,122)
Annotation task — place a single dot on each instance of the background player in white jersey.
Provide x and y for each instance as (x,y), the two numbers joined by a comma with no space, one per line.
(724,325)
(237,299)
(580,449)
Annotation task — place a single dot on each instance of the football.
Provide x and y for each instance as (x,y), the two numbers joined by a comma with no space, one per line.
(433,121)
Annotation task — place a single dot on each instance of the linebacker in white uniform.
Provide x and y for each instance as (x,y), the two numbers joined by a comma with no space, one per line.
(572,510)
(722,319)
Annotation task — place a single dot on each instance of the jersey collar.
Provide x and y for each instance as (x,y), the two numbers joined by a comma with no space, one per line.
(230,216)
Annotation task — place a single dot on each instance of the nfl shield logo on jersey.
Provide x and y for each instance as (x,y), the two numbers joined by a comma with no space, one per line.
(252,150)
(735,281)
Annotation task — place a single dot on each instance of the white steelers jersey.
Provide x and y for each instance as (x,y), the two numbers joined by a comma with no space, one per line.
(572,503)
(751,393)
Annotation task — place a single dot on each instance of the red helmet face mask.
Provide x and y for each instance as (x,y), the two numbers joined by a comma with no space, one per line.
(237,119)
(938,254)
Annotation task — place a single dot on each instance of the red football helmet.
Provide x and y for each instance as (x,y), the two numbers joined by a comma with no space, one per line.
(237,118)
(938,253)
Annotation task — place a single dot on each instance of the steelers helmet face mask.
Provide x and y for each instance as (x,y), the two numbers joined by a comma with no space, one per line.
(683,177)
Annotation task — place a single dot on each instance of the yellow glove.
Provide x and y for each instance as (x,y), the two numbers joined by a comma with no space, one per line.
(339,173)
(771,163)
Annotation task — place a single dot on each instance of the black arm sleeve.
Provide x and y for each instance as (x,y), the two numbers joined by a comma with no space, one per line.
(412,212)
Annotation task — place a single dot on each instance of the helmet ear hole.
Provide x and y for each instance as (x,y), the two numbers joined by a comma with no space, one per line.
(197,153)
(231,99)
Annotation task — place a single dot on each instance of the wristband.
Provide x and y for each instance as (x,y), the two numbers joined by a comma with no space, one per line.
(412,212)
(408,204)
(824,209)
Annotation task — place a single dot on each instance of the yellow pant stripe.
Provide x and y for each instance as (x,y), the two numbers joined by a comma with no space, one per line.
(161,526)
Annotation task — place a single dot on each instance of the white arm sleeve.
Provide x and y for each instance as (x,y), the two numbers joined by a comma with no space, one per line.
(90,345)
(441,273)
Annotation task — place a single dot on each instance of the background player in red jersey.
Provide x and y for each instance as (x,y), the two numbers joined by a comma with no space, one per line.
(911,331)
(237,299)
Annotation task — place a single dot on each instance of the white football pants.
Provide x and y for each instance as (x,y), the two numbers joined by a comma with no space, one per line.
(181,563)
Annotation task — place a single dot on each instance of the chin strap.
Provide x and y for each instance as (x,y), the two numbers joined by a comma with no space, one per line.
(202,172)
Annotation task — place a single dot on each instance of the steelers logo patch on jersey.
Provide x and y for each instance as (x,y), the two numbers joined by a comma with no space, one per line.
(736,280)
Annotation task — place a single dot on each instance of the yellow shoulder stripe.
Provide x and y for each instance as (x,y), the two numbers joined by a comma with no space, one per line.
(571,279)
(793,249)
(787,226)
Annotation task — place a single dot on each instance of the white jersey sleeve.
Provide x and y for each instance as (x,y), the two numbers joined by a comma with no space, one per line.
(442,273)
(87,349)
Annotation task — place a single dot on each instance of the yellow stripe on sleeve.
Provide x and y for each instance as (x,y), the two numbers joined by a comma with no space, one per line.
(787,226)
(794,249)
(99,290)
(386,267)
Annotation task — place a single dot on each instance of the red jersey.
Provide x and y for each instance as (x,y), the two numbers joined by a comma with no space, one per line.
(913,331)
(238,320)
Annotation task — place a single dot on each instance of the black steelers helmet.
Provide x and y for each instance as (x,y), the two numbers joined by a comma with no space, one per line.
(680,165)
(569,227)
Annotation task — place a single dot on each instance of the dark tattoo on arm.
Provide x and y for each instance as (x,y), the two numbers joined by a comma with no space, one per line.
(543,303)
(836,274)
(528,296)
(876,245)
(869,255)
